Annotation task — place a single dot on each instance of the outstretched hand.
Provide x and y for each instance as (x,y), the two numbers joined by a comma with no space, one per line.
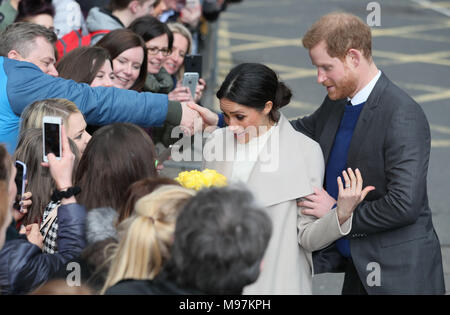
(351,195)
(209,117)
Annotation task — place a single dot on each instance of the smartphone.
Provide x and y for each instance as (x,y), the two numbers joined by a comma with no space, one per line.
(51,137)
(190,80)
(21,176)
(193,63)
(164,156)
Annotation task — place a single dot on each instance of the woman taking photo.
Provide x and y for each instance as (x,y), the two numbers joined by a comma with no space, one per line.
(174,64)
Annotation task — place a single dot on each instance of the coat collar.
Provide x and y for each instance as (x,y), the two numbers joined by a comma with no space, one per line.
(362,125)
(281,174)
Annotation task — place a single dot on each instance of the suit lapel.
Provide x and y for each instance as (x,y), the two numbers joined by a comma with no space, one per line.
(331,127)
(362,126)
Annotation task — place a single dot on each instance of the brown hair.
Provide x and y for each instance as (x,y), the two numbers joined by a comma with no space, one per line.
(21,36)
(117,41)
(138,190)
(83,63)
(5,165)
(39,179)
(30,8)
(5,174)
(341,32)
(32,115)
(117,155)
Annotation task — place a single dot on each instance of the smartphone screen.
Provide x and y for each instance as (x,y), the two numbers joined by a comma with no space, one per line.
(52,144)
(19,180)
(190,80)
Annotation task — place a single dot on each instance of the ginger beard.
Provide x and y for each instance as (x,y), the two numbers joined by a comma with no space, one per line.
(343,88)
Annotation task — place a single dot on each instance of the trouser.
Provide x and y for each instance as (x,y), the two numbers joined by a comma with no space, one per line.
(352,283)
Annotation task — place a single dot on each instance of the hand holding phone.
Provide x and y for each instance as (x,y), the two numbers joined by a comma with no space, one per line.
(190,80)
(164,155)
(61,169)
(51,137)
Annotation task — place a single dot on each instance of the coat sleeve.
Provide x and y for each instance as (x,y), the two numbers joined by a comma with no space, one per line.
(313,233)
(27,267)
(100,105)
(308,124)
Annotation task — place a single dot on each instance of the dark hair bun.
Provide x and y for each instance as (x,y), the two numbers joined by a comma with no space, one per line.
(283,96)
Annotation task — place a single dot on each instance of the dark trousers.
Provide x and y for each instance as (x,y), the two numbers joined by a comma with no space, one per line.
(352,282)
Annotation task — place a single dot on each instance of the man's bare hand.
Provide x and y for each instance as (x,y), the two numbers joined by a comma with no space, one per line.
(317,204)
(351,195)
(209,117)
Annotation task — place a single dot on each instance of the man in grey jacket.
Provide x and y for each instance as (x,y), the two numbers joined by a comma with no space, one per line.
(367,122)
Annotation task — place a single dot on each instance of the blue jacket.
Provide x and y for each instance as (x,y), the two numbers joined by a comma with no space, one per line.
(23,266)
(22,83)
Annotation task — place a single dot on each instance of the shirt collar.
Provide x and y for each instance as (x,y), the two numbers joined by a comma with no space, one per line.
(363,95)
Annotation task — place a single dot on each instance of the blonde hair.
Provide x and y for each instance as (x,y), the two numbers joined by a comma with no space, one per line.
(147,235)
(39,180)
(178,28)
(60,107)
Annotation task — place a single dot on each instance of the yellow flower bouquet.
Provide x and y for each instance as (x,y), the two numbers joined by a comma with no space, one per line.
(198,180)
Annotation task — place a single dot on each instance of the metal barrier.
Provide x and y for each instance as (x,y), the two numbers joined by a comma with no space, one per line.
(208,49)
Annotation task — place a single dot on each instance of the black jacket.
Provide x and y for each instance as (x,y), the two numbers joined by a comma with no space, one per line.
(161,285)
(23,266)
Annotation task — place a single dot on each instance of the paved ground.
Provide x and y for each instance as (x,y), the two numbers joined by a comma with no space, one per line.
(411,45)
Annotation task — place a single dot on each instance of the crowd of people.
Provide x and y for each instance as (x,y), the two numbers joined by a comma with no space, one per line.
(335,191)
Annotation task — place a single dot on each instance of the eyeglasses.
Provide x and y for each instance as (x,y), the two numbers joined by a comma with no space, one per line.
(155,50)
